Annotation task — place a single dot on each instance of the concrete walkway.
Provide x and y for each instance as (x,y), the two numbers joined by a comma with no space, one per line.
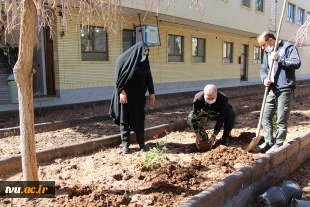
(55,102)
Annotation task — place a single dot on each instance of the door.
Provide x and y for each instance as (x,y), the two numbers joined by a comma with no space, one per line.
(50,73)
(243,63)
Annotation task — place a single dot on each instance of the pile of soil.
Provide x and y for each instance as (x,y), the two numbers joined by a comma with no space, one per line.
(109,178)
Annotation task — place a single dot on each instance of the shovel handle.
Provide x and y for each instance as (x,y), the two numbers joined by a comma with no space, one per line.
(262,111)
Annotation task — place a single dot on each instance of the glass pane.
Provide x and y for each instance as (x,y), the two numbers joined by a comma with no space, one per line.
(127,39)
(86,41)
(257,54)
(170,44)
(300,16)
(194,47)
(224,49)
(229,50)
(246,3)
(201,47)
(178,45)
(100,40)
(259,5)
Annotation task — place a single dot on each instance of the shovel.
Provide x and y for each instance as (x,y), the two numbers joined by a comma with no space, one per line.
(256,139)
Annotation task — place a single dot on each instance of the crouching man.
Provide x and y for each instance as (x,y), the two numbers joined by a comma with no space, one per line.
(212,101)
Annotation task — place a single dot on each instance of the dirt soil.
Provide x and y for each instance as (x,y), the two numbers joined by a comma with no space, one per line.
(109,178)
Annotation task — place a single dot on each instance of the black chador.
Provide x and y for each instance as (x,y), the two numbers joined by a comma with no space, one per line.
(133,75)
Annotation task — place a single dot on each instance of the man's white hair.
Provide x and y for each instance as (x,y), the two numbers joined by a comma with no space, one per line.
(210,89)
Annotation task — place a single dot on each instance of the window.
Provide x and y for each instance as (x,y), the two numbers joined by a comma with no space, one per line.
(258,55)
(227,52)
(300,18)
(308,15)
(260,5)
(175,48)
(290,13)
(129,39)
(198,50)
(246,3)
(94,44)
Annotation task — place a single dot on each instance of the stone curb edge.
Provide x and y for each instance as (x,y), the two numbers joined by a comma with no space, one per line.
(12,163)
(244,186)
(50,126)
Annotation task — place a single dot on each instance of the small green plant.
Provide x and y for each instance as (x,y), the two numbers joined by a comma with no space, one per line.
(200,119)
(154,158)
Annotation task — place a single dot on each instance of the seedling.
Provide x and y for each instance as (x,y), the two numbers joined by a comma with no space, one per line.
(201,118)
(154,158)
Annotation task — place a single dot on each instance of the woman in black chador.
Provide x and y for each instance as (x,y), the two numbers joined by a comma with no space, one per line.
(133,78)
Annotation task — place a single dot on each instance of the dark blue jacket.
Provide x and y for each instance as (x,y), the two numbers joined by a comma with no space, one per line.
(284,67)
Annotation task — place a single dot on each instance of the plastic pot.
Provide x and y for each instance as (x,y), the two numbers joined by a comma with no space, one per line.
(273,197)
(299,203)
(291,190)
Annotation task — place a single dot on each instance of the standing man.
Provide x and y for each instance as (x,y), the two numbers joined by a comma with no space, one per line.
(210,100)
(281,87)
(133,78)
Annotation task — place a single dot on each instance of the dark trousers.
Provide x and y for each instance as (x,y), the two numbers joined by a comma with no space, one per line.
(280,102)
(135,117)
(229,121)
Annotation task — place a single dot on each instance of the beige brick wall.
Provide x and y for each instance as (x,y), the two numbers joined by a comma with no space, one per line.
(71,72)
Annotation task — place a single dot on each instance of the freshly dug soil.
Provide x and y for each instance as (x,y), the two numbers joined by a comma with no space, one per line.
(109,178)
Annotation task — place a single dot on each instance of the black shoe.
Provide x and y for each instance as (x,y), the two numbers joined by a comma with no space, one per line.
(225,141)
(143,148)
(261,148)
(125,150)
(273,148)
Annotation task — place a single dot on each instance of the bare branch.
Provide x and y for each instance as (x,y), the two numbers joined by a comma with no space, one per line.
(302,36)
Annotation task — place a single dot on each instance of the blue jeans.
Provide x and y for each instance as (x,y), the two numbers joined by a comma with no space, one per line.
(280,102)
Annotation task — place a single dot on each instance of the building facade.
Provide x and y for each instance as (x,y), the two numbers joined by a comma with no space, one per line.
(213,44)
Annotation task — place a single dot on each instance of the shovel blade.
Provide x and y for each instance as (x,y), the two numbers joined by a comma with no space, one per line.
(253,143)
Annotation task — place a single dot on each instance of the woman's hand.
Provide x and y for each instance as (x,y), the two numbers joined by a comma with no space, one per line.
(152,98)
(123,97)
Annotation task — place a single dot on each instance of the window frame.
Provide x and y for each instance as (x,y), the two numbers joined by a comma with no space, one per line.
(302,12)
(246,3)
(225,58)
(260,59)
(198,58)
(290,16)
(262,7)
(85,55)
(133,40)
(174,57)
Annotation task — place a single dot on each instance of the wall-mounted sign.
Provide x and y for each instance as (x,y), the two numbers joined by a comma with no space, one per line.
(150,34)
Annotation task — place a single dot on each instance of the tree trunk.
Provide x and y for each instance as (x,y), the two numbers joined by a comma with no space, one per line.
(23,73)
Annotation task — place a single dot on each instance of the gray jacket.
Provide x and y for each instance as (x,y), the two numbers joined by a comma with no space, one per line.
(284,67)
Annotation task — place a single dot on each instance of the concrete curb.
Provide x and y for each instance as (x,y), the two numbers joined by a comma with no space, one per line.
(14,162)
(244,186)
(50,126)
